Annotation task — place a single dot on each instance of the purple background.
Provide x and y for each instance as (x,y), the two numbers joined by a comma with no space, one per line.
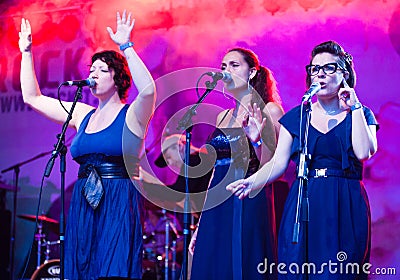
(174,38)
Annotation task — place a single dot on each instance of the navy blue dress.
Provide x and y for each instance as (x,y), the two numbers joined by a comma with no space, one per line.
(107,241)
(234,235)
(339,214)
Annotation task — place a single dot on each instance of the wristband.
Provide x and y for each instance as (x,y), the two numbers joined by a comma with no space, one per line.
(356,106)
(125,46)
(257,144)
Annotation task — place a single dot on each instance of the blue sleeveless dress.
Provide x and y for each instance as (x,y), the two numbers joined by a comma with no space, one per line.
(234,235)
(339,230)
(107,241)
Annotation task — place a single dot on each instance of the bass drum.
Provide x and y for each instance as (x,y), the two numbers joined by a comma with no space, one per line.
(48,271)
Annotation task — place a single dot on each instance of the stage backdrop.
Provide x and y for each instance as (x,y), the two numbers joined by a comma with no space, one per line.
(180,35)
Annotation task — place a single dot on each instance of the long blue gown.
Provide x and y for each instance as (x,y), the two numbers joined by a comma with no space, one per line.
(107,241)
(339,215)
(234,235)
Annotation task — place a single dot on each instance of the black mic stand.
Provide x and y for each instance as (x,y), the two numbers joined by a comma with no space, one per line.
(12,239)
(61,149)
(187,124)
(302,208)
(16,168)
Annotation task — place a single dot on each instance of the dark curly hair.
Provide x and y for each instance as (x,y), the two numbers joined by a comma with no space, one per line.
(345,60)
(118,63)
(263,82)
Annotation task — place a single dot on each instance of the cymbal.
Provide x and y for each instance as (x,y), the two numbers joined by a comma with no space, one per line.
(6,187)
(40,218)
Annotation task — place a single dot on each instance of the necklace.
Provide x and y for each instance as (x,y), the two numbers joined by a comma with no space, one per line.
(332,112)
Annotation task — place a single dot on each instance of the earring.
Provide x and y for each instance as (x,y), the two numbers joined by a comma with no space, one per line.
(249,87)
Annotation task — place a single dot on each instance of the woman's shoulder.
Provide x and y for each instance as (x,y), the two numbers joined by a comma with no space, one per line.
(295,111)
(273,109)
(82,114)
(290,120)
(274,106)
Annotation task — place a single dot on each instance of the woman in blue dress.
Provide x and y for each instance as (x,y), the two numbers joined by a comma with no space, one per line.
(342,134)
(234,235)
(104,232)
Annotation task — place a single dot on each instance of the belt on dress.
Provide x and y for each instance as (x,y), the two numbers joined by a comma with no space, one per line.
(329,172)
(95,167)
(107,167)
(105,170)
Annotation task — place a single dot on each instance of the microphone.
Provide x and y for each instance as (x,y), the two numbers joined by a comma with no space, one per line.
(314,88)
(224,76)
(90,82)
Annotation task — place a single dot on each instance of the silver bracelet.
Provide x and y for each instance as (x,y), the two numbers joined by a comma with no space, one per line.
(356,106)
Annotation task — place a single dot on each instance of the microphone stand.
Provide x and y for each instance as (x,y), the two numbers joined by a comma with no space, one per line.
(187,124)
(61,150)
(13,225)
(166,246)
(16,168)
(302,208)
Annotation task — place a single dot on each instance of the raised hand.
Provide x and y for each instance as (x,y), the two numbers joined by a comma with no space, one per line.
(25,36)
(124,28)
(253,123)
(347,96)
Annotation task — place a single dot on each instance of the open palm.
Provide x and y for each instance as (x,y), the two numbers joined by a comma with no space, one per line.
(253,123)
(124,28)
(25,36)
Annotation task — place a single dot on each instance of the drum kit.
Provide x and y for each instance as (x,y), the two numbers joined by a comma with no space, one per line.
(162,245)
(6,187)
(50,268)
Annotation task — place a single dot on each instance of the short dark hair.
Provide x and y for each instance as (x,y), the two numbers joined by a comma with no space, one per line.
(118,63)
(345,60)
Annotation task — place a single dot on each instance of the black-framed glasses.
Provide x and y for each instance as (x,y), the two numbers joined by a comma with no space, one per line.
(328,68)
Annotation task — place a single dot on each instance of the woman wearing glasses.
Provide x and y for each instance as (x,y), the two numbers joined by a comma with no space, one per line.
(341,135)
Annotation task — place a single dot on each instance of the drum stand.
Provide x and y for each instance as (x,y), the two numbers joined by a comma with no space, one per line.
(173,266)
(39,237)
(48,251)
(169,225)
(166,268)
